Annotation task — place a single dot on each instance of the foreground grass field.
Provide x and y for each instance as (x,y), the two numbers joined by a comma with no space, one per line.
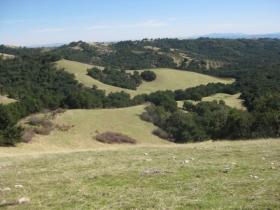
(167,79)
(209,175)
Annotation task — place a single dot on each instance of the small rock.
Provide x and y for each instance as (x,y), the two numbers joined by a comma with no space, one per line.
(3,202)
(6,189)
(272,163)
(226,170)
(272,167)
(263,158)
(146,153)
(17,186)
(186,161)
(150,171)
(192,159)
(254,176)
(23,200)
(149,159)
(174,157)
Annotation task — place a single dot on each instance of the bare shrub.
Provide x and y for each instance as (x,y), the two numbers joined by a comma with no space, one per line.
(57,111)
(114,138)
(64,128)
(161,134)
(146,117)
(45,128)
(27,135)
(35,120)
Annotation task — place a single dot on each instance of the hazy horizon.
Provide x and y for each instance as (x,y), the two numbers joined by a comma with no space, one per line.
(29,23)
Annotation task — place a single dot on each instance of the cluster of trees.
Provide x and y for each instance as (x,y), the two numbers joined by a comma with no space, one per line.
(197,93)
(120,78)
(148,76)
(116,77)
(212,120)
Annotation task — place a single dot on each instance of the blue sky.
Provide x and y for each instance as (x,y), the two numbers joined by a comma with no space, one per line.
(31,22)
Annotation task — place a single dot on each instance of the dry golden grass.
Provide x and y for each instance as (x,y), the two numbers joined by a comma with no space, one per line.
(7,56)
(167,79)
(6,100)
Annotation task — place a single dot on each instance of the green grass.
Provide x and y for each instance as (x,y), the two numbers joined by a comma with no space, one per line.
(167,79)
(230,100)
(209,175)
(6,100)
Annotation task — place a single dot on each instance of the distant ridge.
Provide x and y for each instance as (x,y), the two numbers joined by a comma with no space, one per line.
(46,45)
(241,36)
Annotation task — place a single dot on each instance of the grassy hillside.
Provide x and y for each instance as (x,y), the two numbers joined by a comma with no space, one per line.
(6,100)
(86,124)
(80,72)
(231,100)
(167,79)
(209,175)
(7,56)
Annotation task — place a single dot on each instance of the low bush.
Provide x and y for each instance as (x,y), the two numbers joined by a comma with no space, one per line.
(27,135)
(45,128)
(114,138)
(161,134)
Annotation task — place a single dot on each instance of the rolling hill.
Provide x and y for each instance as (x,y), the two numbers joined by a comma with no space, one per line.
(167,79)
(84,127)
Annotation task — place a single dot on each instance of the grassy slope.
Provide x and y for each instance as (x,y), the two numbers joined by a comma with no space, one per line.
(219,175)
(7,56)
(231,100)
(6,100)
(80,71)
(167,79)
(86,123)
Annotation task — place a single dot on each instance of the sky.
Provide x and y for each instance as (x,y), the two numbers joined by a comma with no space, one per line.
(36,22)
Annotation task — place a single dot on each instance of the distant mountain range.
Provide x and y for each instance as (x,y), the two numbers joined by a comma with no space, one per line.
(211,35)
(241,36)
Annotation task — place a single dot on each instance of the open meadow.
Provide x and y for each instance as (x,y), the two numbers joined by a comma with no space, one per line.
(208,175)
